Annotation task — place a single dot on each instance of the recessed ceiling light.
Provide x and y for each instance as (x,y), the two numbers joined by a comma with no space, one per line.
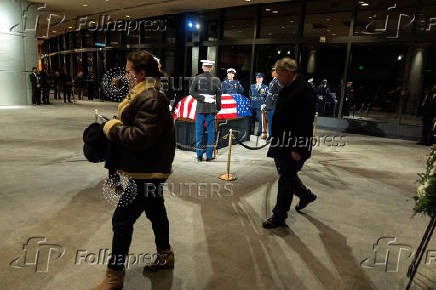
(328,30)
(275,11)
(328,19)
(54,31)
(333,34)
(128,16)
(239,31)
(365,4)
(70,27)
(85,5)
(422,20)
(283,27)
(267,9)
(291,21)
(247,0)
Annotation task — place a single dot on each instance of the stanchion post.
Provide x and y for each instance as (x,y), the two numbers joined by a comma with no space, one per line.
(228,176)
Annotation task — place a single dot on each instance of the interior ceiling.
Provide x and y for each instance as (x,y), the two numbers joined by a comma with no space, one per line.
(120,9)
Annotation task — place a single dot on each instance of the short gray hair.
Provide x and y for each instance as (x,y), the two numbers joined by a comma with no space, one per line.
(286,63)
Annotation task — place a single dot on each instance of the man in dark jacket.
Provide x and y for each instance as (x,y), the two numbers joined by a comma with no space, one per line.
(291,143)
(428,114)
(206,90)
(36,87)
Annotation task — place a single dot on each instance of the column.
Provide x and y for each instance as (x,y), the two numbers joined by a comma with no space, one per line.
(18,51)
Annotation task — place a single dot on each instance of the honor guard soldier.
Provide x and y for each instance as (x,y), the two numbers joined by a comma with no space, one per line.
(258,92)
(271,100)
(206,90)
(230,85)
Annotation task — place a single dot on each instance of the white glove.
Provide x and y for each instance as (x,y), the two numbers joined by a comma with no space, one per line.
(209,99)
(262,107)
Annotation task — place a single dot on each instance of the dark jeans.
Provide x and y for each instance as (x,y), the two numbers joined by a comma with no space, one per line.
(289,184)
(256,113)
(150,202)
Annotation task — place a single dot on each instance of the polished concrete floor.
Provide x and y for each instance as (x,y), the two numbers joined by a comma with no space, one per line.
(364,192)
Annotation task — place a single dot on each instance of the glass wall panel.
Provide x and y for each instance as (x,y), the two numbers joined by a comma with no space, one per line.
(268,55)
(280,20)
(324,64)
(377,73)
(239,22)
(328,18)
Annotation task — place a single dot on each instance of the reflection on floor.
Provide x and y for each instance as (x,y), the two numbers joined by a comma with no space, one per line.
(364,194)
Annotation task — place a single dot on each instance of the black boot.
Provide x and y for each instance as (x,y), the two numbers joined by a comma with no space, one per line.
(304,201)
(273,223)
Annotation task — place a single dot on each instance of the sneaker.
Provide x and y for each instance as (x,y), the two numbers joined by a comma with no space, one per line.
(305,201)
(273,223)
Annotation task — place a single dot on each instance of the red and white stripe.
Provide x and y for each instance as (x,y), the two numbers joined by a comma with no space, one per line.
(186,108)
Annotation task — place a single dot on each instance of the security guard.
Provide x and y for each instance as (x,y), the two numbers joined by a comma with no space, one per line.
(230,85)
(206,90)
(258,93)
(271,100)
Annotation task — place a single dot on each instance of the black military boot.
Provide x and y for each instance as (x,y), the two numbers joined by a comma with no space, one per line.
(273,223)
(199,159)
(304,201)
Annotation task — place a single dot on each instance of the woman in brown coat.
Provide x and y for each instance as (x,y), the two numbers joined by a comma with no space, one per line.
(142,147)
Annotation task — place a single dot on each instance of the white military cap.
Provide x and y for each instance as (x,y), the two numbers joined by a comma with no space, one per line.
(207,62)
(310,80)
(231,70)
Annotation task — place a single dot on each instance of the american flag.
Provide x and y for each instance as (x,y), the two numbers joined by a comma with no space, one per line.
(232,106)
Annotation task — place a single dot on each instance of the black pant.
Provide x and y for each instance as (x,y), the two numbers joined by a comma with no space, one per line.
(67,94)
(152,203)
(57,91)
(427,130)
(36,96)
(46,94)
(289,184)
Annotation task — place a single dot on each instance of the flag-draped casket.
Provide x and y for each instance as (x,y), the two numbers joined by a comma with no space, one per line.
(235,114)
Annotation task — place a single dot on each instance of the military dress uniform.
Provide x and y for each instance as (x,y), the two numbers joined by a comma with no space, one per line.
(258,95)
(206,90)
(231,86)
(271,101)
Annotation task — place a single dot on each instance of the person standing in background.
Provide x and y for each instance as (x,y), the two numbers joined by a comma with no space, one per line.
(45,84)
(271,100)
(206,90)
(36,86)
(258,92)
(230,85)
(79,86)
(68,86)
